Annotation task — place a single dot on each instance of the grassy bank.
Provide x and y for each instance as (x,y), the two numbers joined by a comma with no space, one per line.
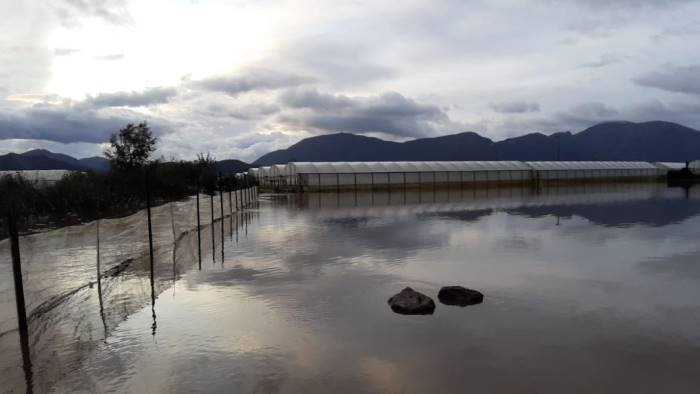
(84,196)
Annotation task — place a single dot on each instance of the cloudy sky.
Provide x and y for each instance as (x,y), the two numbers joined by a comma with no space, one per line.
(241,78)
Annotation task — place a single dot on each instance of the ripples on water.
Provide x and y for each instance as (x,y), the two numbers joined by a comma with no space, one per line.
(591,289)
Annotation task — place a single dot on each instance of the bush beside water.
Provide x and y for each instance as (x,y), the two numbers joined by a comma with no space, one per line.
(84,196)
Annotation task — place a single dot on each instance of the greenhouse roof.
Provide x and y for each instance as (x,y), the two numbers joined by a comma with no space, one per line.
(404,166)
(672,165)
(589,165)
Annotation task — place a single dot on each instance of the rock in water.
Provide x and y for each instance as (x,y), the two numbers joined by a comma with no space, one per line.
(458,295)
(410,302)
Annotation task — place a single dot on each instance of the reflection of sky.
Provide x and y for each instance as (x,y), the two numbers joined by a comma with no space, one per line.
(300,306)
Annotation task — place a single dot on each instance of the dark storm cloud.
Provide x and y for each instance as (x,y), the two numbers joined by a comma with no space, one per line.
(65,123)
(131,99)
(515,107)
(243,112)
(250,80)
(577,117)
(389,113)
(674,79)
(312,98)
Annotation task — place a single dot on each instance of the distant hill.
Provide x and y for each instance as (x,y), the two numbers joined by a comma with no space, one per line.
(649,141)
(14,161)
(230,167)
(96,163)
(42,159)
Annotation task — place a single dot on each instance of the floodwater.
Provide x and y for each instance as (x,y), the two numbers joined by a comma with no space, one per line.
(587,290)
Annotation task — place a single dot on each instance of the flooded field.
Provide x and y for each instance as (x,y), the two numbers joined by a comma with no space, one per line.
(591,289)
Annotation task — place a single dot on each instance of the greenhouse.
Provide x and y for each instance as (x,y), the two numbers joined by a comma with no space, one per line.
(412,174)
(368,175)
(694,166)
(582,170)
(673,166)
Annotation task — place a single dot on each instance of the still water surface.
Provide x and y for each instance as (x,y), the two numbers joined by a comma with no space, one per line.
(586,292)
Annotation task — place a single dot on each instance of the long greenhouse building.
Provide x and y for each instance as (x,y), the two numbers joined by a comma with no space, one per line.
(321,176)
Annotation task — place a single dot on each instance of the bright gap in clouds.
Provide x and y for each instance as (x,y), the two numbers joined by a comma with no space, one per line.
(243,78)
(162,43)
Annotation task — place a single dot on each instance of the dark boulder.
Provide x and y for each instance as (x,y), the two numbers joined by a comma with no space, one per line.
(410,302)
(458,295)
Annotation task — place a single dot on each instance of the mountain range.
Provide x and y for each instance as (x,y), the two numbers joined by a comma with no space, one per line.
(628,141)
(648,141)
(42,159)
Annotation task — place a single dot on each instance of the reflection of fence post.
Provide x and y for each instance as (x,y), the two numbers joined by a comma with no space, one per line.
(19,296)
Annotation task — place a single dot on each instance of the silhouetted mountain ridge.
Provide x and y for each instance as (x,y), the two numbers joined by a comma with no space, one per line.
(647,141)
(42,159)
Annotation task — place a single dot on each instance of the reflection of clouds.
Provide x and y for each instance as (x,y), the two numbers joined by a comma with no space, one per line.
(657,212)
(683,265)
(300,306)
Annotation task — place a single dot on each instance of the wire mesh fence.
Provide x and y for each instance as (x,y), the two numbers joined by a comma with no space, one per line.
(72,280)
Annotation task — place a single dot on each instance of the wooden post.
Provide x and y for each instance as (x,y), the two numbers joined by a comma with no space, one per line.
(19,297)
(213,243)
(230,201)
(199,231)
(235,194)
(150,250)
(221,209)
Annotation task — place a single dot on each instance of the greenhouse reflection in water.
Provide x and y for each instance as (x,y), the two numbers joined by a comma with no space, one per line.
(590,289)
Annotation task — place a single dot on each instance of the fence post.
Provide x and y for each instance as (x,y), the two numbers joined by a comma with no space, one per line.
(213,243)
(230,208)
(230,201)
(199,232)
(221,208)
(150,250)
(19,297)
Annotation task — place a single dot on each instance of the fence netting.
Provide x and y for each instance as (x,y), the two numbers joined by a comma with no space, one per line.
(81,281)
